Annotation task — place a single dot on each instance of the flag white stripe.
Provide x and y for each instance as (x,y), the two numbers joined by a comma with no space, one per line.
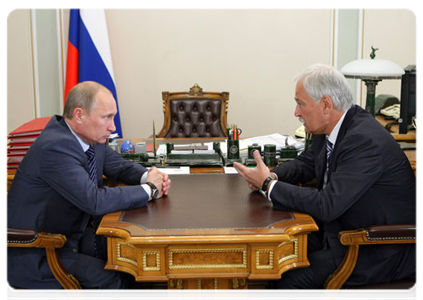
(95,22)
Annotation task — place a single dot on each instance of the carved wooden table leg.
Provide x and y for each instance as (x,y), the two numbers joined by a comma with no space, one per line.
(207,289)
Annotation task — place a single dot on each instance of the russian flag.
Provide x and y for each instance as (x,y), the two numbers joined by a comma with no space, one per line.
(89,57)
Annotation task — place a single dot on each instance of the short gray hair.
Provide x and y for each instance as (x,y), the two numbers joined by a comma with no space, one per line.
(322,80)
(82,95)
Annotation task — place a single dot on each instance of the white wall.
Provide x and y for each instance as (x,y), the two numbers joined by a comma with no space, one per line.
(253,54)
(20,92)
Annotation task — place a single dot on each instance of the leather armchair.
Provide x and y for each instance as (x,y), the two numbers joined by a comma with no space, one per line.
(194,114)
(51,242)
(373,235)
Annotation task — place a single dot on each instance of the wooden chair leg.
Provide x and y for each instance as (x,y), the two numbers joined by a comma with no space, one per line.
(337,279)
(68,281)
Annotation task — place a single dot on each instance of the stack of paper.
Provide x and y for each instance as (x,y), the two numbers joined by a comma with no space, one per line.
(281,141)
(22,138)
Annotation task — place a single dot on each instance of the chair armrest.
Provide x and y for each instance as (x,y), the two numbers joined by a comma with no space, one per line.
(373,235)
(380,234)
(32,239)
(392,232)
(21,236)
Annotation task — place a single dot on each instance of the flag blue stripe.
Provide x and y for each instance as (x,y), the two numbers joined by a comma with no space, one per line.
(74,19)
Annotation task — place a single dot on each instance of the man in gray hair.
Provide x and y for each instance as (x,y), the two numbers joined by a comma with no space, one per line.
(363,179)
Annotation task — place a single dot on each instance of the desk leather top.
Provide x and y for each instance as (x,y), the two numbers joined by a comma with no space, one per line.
(207,201)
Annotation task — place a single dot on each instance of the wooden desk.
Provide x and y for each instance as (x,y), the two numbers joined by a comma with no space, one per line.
(410,136)
(411,155)
(211,231)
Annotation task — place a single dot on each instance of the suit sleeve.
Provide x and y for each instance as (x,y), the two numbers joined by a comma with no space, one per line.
(358,166)
(299,170)
(64,169)
(121,170)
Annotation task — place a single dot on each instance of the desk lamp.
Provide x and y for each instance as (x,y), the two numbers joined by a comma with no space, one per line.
(371,71)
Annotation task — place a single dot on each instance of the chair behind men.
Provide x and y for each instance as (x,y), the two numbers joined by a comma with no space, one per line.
(194,114)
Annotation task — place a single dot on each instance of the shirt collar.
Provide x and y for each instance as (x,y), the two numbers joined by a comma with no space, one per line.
(334,134)
(84,145)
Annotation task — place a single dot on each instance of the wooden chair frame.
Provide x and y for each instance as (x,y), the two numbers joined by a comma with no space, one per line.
(29,239)
(195,92)
(374,235)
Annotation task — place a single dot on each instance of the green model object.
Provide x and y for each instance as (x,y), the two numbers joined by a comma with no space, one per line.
(195,158)
(137,157)
(288,153)
(174,159)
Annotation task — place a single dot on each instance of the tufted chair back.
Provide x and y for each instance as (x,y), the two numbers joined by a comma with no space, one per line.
(194,114)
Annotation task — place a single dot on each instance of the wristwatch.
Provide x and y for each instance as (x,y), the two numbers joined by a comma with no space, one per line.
(154,190)
(266,185)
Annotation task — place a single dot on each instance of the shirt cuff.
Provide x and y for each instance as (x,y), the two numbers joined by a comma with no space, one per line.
(144,178)
(147,189)
(272,184)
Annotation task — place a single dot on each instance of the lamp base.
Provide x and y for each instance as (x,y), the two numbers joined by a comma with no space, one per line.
(371,92)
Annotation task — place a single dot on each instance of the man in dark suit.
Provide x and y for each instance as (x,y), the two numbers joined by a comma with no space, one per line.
(363,178)
(58,188)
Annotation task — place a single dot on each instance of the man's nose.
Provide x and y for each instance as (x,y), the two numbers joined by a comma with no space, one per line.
(112,126)
(297,111)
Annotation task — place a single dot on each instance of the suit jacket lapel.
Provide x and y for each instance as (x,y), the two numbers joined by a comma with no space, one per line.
(320,160)
(341,134)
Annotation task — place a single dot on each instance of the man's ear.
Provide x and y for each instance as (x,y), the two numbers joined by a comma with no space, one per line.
(78,115)
(327,103)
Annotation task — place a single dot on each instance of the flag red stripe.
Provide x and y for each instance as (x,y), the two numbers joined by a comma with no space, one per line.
(72,69)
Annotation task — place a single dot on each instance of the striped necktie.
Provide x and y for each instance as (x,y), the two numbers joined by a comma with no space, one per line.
(329,146)
(92,167)
(92,164)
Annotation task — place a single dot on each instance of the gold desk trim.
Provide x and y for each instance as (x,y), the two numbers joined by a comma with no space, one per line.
(271,256)
(125,259)
(145,268)
(236,283)
(173,266)
(176,283)
(294,255)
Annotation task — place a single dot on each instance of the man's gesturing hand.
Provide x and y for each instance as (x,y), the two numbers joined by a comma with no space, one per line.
(254,176)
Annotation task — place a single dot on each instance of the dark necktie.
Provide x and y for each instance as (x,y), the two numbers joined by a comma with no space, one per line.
(92,164)
(92,168)
(329,146)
